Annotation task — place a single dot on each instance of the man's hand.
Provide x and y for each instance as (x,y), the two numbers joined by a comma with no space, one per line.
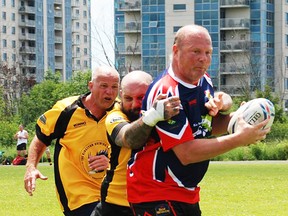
(98,163)
(30,177)
(221,102)
(163,108)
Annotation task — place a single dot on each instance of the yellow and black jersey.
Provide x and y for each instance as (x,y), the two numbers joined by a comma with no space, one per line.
(113,188)
(79,135)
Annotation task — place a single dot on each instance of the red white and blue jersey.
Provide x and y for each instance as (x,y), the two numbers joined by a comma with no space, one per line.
(155,173)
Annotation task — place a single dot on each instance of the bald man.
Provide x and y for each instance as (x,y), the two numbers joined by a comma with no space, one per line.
(80,157)
(133,88)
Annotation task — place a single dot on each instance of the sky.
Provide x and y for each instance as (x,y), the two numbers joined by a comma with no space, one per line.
(102,31)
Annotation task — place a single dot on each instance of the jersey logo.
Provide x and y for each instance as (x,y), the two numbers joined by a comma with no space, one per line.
(115,119)
(162,209)
(77,125)
(42,119)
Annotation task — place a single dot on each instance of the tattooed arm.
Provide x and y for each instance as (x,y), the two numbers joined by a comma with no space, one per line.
(135,134)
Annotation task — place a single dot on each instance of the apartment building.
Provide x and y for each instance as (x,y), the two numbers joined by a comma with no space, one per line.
(250,39)
(41,35)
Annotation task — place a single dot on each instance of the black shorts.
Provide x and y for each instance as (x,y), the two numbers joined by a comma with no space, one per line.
(21,146)
(86,209)
(108,209)
(166,208)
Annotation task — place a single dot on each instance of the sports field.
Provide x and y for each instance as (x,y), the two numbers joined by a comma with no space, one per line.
(228,189)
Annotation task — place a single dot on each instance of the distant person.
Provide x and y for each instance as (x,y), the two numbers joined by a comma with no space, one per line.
(22,139)
(133,87)
(82,147)
(163,177)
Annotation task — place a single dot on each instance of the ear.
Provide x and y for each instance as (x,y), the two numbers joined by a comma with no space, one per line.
(90,85)
(174,49)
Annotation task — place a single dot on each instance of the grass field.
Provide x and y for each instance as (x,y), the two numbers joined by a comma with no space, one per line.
(228,189)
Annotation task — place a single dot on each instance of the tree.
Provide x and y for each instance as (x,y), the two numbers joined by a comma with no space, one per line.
(44,95)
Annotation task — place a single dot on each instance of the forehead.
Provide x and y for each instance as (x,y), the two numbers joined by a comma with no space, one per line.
(134,89)
(107,78)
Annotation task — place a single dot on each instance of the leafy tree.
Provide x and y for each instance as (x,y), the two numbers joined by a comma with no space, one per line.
(44,95)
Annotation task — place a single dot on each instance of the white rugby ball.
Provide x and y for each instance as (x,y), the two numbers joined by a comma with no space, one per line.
(254,112)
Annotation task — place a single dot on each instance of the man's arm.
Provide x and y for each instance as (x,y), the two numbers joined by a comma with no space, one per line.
(36,150)
(203,149)
(135,134)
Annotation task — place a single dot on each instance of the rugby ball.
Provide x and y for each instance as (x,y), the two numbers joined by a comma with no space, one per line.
(254,112)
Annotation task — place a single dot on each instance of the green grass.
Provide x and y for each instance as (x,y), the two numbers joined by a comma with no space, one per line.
(229,189)
(16,201)
(245,189)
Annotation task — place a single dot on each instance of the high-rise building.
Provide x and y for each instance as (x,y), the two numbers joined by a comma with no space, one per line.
(41,35)
(250,39)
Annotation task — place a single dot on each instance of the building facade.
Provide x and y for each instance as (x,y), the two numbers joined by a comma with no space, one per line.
(41,35)
(250,39)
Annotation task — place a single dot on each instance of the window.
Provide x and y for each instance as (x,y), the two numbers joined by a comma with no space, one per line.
(14,57)
(13,16)
(153,24)
(4,56)
(13,3)
(179,7)
(4,15)
(85,26)
(86,63)
(85,51)
(286,40)
(176,28)
(85,14)
(13,30)
(85,39)
(4,29)
(4,43)
(13,43)
(3,2)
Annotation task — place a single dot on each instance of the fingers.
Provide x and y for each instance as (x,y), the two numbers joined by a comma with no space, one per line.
(99,162)
(30,181)
(172,107)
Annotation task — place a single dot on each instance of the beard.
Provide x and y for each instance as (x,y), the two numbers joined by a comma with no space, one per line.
(132,115)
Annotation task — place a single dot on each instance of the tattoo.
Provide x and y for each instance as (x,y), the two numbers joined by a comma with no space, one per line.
(136,134)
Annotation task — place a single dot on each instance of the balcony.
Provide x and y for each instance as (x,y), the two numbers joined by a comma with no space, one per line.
(27,23)
(27,36)
(75,3)
(129,6)
(234,3)
(57,1)
(58,26)
(234,23)
(129,27)
(58,39)
(58,52)
(27,63)
(59,65)
(234,46)
(129,49)
(27,9)
(234,68)
(58,13)
(27,50)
